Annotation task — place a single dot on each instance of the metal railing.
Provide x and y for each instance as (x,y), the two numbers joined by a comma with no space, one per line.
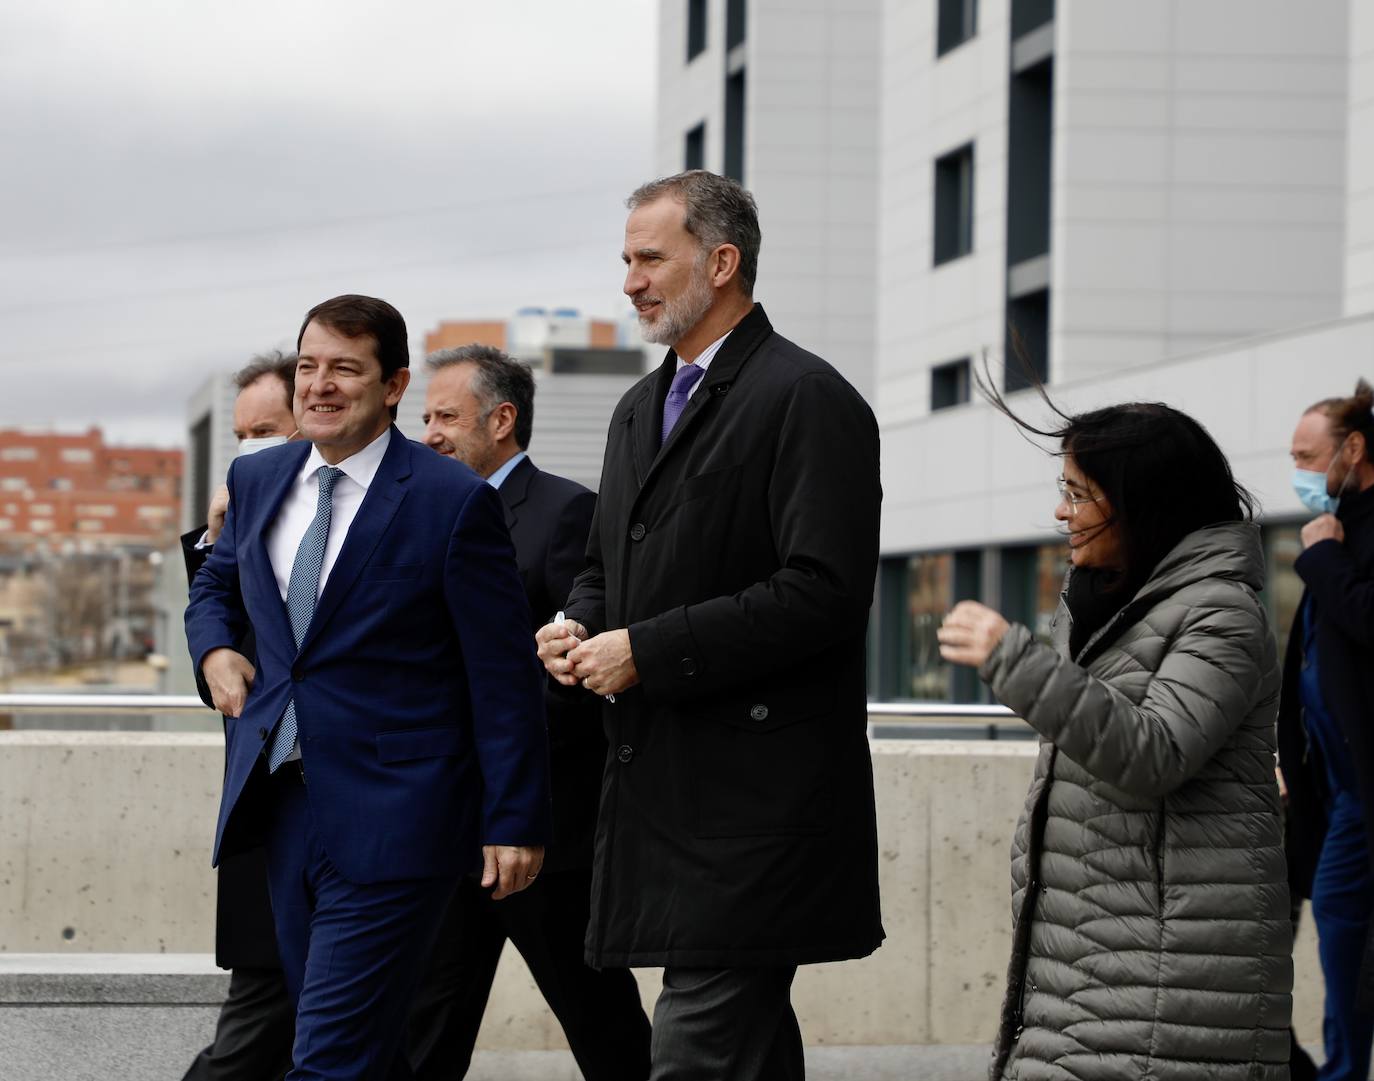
(887,720)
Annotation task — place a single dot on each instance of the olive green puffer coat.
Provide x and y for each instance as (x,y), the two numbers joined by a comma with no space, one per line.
(1151,935)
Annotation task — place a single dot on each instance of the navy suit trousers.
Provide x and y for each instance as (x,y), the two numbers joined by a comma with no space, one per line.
(352,953)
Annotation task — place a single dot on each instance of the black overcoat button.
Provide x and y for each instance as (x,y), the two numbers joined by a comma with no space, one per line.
(624,752)
(637,531)
(759,712)
(688,666)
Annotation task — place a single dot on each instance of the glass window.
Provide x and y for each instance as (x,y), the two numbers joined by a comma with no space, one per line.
(956,23)
(954,205)
(1282,586)
(949,384)
(696,28)
(694,149)
(734,23)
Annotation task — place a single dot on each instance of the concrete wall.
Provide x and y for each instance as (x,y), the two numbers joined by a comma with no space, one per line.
(104,840)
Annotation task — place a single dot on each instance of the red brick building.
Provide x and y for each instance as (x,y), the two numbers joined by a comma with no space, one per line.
(58,486)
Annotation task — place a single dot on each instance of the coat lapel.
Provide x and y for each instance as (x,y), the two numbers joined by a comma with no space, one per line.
(748,334)
(646,421)
(379,506)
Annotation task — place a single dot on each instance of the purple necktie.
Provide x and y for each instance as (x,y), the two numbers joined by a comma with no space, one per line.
(673,405)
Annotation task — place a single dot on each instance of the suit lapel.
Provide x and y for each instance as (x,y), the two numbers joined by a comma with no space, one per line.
(515,489)
(379,506)
(261,570)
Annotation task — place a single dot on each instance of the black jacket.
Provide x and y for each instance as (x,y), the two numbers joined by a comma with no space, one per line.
(737,819)
(244,933)
(549,518)
(1340,580)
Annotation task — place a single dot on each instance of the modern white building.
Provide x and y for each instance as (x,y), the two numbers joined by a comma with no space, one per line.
(784,95)
(1169,201)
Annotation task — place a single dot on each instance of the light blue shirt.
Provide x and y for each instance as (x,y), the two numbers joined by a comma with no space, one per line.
(498,478)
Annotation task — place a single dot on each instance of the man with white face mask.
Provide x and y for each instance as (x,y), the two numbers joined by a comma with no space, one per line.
(253,1036)
(1326,742)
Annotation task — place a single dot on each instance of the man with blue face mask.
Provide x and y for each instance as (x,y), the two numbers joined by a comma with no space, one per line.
(253,1037)
(1326,717)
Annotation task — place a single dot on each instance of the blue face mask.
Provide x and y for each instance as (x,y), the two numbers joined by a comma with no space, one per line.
(1311,488)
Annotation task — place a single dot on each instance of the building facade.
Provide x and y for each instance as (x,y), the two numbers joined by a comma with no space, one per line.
(57,488)
(1167,201)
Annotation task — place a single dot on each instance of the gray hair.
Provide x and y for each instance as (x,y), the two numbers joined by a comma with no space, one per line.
(497,378)
(716,210)
(273,362)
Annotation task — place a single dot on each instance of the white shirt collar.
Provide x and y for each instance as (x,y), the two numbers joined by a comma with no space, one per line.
(359,468)
(707,355)
(498,478)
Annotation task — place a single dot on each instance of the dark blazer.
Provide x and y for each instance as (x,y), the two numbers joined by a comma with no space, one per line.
(1340,579)
(244,934)
(549,518)
(418,697)
(737,818)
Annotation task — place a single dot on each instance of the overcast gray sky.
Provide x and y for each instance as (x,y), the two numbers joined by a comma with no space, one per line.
(180,181)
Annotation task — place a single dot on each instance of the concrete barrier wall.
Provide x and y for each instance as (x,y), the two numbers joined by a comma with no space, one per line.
(104,841)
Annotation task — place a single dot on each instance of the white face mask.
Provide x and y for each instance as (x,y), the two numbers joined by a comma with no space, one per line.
(252,446)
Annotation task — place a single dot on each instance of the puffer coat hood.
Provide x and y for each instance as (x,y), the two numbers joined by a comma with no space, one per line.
(1151,935)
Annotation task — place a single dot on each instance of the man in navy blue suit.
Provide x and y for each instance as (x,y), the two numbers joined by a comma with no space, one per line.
(392,736)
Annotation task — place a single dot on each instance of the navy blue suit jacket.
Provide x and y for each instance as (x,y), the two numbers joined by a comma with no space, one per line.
(418,693)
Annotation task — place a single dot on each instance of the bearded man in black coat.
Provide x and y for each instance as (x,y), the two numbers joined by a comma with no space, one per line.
(722,615)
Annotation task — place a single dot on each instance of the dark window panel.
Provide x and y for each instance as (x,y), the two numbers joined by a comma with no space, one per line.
(949,384)
(1029,145)
(734,23)
(696,28)
(734,126)
(1028,15)
(694,148)
(954,205)
(1028,340)
(956,22)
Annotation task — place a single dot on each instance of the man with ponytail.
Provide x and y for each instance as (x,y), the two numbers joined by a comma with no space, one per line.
(1326,743)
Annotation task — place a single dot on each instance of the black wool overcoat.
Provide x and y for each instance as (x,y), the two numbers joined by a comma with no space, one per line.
(737,819)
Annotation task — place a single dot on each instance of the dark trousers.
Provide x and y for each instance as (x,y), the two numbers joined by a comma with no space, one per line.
(1342,904)
(600,1012)
(352,952)
(733,1024)
(253,1033)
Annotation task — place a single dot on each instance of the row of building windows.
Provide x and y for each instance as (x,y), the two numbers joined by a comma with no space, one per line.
(1023,582)
(697,28)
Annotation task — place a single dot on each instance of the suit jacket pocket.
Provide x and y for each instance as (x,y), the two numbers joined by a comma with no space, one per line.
(419,743)
(396,572)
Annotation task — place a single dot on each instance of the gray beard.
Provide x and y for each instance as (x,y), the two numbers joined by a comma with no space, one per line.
(681,315)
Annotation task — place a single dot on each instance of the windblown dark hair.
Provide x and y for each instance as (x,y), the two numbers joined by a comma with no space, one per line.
(1161,472)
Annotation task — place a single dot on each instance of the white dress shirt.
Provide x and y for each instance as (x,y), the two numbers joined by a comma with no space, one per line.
(298,509)
(703,361)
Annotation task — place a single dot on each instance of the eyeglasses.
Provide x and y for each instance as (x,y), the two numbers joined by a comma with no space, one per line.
(1068,496)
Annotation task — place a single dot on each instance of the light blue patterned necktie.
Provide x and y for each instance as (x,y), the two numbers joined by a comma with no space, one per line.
(302,590)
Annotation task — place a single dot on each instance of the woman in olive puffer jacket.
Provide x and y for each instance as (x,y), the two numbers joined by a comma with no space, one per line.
(1151,934)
